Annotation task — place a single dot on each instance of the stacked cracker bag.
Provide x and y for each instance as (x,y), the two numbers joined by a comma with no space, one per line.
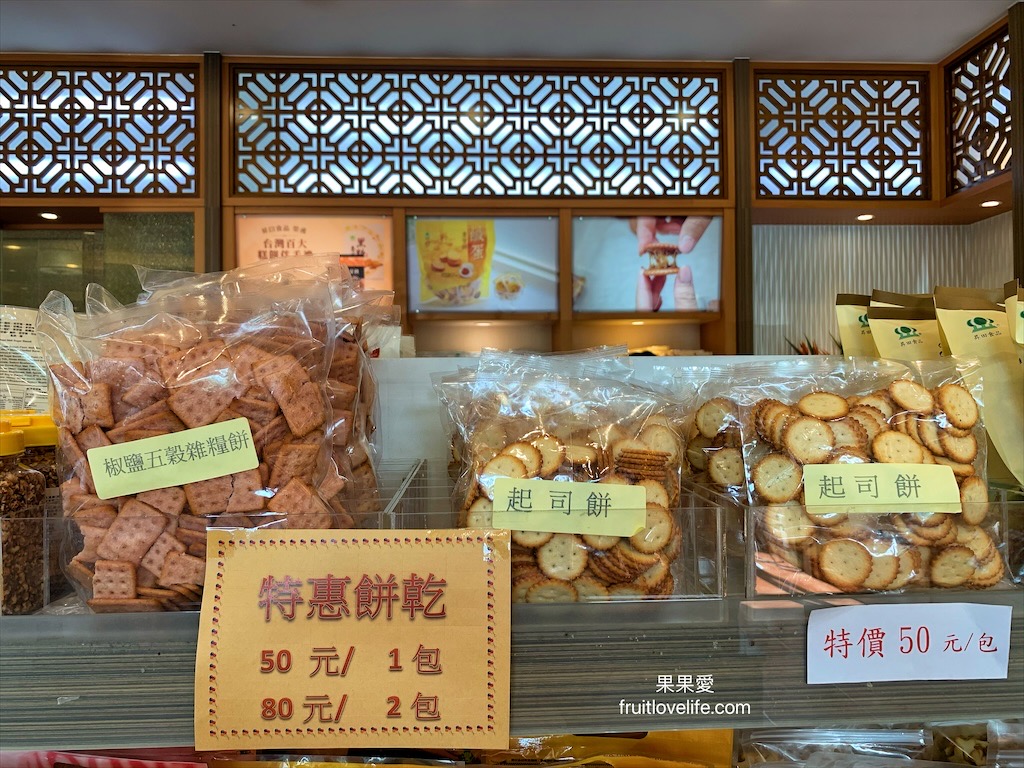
(208,349)
(854,411)
(571,418)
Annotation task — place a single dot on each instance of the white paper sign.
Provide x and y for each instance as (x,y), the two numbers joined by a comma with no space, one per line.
(926,641)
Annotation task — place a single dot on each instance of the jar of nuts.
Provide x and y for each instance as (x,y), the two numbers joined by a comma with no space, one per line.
(41,455)
(22,556)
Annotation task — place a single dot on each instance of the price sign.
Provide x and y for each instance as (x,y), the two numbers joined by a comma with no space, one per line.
(939,641)
(354,639)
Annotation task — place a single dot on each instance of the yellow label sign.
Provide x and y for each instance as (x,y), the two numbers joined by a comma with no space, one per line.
(325,639)
(601,509)
(177,458)
(880,488)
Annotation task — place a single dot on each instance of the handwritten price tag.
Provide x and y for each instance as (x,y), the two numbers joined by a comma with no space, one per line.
(875,488)
(939,641)
(344,639)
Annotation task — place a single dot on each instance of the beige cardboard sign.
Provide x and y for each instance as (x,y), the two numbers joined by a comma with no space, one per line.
(328,639)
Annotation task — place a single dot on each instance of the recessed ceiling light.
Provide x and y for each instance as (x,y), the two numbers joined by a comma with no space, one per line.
(88,232)
(49,216)
(71,266)
(637,322)
(990,204)
(482,325)
(865,217)
(13,247)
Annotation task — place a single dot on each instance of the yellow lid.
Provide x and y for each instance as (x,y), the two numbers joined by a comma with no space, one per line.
(38,428)
(12,442)
(15,411)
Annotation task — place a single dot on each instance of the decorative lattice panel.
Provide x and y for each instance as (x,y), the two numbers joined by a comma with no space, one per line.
(102,130)
(842,135)
(978,113)
(483,134)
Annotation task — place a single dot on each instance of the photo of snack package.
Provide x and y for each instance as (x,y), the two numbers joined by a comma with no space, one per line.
(455,259)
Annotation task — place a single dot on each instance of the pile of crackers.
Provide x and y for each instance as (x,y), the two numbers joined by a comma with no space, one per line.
(147,552)
(761,450)
(564,567)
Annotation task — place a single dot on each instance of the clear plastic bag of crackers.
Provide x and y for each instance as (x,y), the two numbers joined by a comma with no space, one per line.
(829,512)
(568,419)
(185,360)
(798,745)
(350,485)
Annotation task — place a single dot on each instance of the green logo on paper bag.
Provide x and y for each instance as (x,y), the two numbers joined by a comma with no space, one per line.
(979,324)
(863,320)
(906,332)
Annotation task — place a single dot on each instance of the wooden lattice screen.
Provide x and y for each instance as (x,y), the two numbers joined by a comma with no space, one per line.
(842,135)
(978,113)
(99,130)
(332,131)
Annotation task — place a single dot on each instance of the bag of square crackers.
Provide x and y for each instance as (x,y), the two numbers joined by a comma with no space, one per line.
(350,484)
(567,421)
(205,382)
(828,518)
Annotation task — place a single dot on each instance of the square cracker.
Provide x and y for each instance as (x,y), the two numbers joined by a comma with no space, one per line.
(96,406)
(97,517)
(247,492)
(180,367)
(180,568)
(92,437)
(121,605)
(170,501)
(294,460)
(209,497)
(301,506)
(113,579)
(260,411)
(304,409)
(131,535)
(200,403)
(153,560)
(92,537)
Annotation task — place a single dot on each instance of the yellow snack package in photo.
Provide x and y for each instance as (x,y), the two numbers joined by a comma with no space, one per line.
(455,258)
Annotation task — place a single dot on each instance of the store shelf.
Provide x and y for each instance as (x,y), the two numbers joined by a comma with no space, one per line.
(127,681)
(456,316)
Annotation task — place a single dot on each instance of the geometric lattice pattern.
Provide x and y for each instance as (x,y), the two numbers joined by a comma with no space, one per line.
(978,113)
(521,134)
(842,136)
(99,130)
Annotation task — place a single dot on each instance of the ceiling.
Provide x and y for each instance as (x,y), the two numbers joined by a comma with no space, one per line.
(764,30)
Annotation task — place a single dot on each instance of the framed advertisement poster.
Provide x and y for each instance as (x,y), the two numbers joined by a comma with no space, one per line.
(483,264)
(647,263)
(363,243)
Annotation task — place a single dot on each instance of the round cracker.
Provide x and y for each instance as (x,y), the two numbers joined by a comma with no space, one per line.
(599,542)
(952,566)
(896,448)
(958,405)
(660,438)
(725,467)
(787,524)
(656,493)
(696,455)
(809,440)
(885,564)
(714,415)
(849,433)
(974,499)
(911,396)
(880,401)
(657,530)
(844,563)
(823,405)
(552,453)
(590,588)
(552,591)
(531,539)
(526,453)
(564,557)
(963,450)
(777,478)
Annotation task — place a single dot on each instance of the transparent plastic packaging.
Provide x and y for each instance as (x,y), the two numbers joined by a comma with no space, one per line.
(801,745)
(567,419)
(187,358)
(793,414)
(22,537)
